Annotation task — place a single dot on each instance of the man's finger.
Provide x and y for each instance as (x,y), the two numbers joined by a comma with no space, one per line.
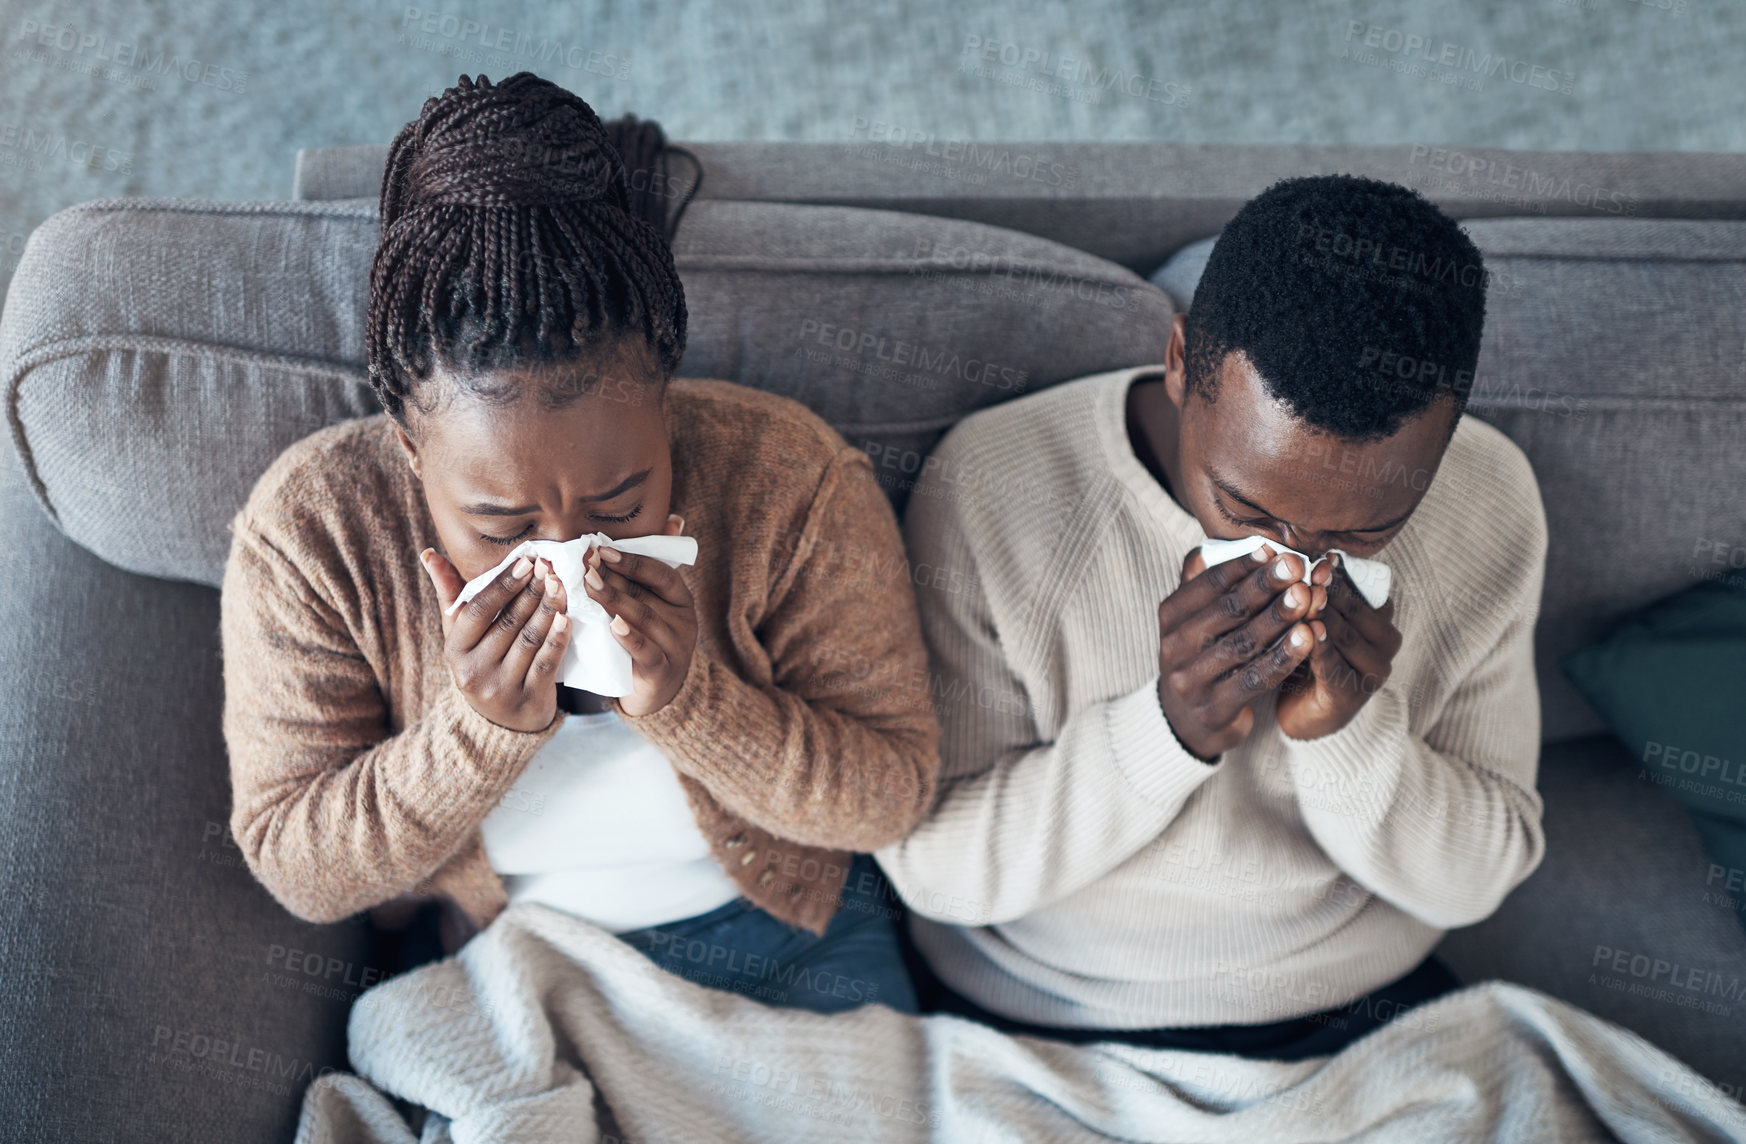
(1194,565)
(1354,647)
(1302,676)
(1376,625)
(1232,609)
(1334,670)
(1263,673)
(1343,593)
(1193,596)
(1247,640)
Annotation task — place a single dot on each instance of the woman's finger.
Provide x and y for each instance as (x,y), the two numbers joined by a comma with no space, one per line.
(474,619)
(496,644)
(646,652)
(620,595)
(639,616)
(543,671)
(655,575)
(531,638)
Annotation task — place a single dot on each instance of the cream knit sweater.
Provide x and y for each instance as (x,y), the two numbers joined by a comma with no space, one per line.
(1079,867)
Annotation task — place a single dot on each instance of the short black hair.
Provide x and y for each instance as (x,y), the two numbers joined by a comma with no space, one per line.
(1358,302)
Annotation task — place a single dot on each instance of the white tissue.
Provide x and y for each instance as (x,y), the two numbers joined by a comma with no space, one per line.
(1370,577)
(594,661)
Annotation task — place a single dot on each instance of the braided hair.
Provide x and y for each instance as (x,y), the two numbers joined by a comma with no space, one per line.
(511,239)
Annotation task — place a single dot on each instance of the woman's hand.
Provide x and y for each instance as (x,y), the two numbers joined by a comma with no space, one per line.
(504,646)
(654,618)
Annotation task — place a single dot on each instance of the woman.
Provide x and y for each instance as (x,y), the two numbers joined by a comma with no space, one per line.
(525,324)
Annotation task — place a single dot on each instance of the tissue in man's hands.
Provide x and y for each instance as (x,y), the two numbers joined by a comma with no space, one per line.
(594,661)
(1370,577)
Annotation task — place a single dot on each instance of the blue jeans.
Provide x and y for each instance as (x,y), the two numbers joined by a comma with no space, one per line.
(742,948)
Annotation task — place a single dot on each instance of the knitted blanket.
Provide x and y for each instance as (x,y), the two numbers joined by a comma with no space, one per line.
(546,1028)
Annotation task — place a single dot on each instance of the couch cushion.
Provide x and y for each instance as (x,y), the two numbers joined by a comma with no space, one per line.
(1612,357)
(1179,276)
(1626,916)
(1669,682)
(158,354)
(136,939)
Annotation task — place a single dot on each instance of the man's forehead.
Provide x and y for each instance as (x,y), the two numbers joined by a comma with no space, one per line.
(1246,410)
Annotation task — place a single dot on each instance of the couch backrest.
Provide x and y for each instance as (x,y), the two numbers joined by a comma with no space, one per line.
(158,354)
(1137,203)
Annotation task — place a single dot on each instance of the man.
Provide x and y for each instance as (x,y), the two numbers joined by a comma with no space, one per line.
(1221,808)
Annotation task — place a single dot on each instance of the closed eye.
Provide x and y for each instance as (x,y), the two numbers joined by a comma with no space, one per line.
(633,513)
(508,540)
(1226,513)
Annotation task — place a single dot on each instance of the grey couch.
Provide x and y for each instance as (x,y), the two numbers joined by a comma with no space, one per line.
(156,354)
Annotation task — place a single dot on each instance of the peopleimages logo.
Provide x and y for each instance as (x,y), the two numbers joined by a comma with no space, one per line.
(944,363)
(23,145)
(1442,53)
(98,47)
(1463,168)
(967,155)
(1417,269)
(1653,972)
(1671,758)
(464,33)
(1082,79)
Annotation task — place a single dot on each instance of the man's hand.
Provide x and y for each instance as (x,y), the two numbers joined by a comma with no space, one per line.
(1348,664)
(1226,635)
(654,618)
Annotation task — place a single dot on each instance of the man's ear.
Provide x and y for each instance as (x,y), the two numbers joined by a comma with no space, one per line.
(1176,361)
(1454,415)
(411,450)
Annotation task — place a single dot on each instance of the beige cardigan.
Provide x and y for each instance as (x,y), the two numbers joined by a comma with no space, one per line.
(803,730)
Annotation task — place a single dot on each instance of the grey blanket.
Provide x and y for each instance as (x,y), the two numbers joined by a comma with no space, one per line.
(546,1028)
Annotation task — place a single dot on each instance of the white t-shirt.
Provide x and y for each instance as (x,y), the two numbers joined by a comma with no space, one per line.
(598,826)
